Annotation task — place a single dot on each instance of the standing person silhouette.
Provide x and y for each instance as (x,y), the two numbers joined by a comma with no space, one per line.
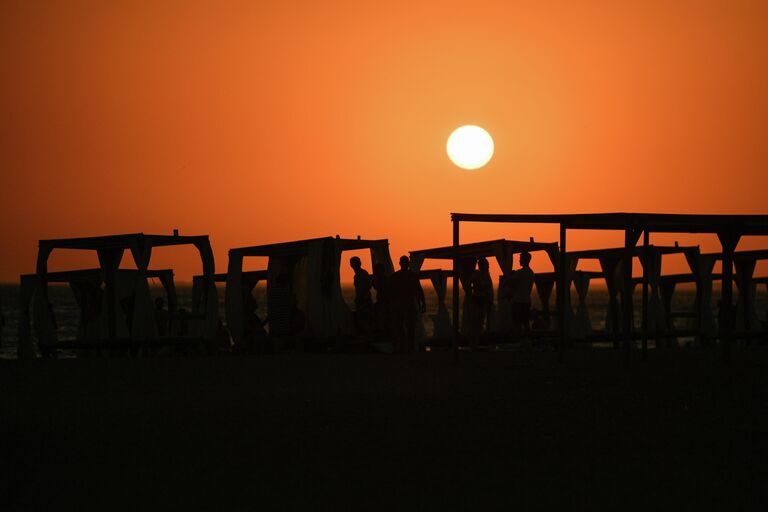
(406,300)
(522,284)
(363,300)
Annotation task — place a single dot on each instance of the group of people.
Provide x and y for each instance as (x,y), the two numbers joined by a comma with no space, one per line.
(399,300)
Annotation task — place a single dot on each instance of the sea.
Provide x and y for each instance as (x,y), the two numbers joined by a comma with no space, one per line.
(67,313)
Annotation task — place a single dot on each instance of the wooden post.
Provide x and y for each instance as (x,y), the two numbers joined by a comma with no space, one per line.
(455,292)
(728,242)
(42,288)
(631,234)
(563,293)
(646,262)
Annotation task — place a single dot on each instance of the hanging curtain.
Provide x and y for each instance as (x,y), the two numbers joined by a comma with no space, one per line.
(611,267)
(233,300)
(745,310)
(441,320)
(42,317)
(144,325)
(544,286)
(503,316)
(570,269)
(701,266)
(26,348)
(658,320)
(667,292)
(583,323)
(416,261)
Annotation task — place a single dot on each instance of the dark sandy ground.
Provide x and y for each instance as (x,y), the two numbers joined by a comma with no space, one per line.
(498,431)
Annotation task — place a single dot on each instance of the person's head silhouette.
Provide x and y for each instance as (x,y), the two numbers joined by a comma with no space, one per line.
(482,264)
(405,263)
(354,262)
(525,259)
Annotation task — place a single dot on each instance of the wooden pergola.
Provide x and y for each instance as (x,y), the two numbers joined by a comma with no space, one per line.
(110,250)
(728,228)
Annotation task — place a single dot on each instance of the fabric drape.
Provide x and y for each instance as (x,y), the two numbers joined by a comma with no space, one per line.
(658,321)
(441,320)
(611,267)
(583,323)
(144,325)
(544,287)
(233,299)
(701,266)
(746,312)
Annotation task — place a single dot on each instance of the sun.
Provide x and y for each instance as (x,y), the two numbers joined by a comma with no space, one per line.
(470,147)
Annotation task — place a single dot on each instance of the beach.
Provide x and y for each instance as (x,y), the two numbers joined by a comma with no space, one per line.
(493,430)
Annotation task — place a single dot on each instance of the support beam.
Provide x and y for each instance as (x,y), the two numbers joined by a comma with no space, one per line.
(563,293)
(455,292)
(646,262)
(631,236)
(728,241)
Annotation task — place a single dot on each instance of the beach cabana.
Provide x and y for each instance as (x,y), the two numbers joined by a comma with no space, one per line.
(747,322)
(87,289)
(728,228)
(313,267)
(465,256)
(131,322)
(441,321)
(612,261)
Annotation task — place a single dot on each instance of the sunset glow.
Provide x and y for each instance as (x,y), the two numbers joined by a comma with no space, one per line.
(259,123)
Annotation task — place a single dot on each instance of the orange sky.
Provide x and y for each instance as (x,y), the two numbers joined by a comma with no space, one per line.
(263,123)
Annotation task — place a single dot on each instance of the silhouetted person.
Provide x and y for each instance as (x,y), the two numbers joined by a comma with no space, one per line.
(161,317)
(363,300)
(407,299)
(522,285)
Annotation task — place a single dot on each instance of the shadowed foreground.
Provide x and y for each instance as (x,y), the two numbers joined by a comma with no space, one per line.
(353,431)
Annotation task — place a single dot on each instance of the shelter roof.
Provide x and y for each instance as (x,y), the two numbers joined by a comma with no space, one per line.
(299,247)
(428,274)
(485,248)
(248,275)
(66,276)
(684,278)
(654,222)
(125,241)
(636,251)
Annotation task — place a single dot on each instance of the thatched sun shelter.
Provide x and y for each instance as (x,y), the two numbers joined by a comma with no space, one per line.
(313,270)
(117,327)
(728,228)
(87,289)
(465,256)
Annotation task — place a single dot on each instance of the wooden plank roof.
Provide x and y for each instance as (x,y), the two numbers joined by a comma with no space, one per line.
(654,222)
(299,247)
(124,241)
(64,276)
(636,251)
(483,249)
